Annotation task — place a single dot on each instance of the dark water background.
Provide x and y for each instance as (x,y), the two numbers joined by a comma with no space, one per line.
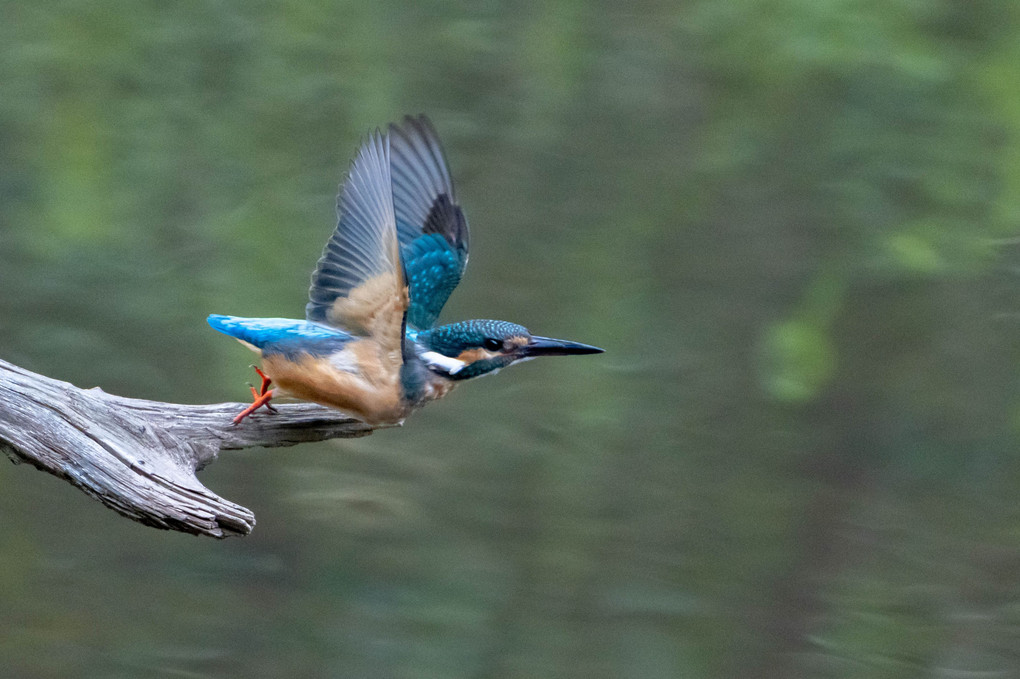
(793,226)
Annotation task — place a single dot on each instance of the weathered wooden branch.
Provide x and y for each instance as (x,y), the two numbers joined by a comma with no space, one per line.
(140,457)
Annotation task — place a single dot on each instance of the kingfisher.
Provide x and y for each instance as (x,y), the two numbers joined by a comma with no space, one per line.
(368,345)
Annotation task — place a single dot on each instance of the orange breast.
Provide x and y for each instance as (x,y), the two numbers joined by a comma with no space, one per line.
(360,382)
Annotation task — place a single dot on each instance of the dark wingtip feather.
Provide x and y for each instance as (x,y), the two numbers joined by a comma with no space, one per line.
(447,220)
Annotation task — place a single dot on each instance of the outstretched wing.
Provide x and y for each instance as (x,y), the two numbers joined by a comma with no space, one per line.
(431,227)
(358,284)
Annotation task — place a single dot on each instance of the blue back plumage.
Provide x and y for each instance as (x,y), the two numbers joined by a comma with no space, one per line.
(282,335)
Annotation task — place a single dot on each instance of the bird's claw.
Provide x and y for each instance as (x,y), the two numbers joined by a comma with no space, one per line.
(261,397)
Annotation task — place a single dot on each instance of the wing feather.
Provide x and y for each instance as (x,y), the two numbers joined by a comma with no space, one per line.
(358,283)
(431,227)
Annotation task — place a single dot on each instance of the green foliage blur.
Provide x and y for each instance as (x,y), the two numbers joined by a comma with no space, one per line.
(793,224)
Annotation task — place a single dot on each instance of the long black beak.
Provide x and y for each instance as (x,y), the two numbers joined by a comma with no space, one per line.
(546,346)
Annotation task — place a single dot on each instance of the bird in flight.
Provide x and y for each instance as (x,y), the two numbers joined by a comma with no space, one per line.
(369,345)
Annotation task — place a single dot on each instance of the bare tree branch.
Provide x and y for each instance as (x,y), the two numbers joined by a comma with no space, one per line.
(140,457)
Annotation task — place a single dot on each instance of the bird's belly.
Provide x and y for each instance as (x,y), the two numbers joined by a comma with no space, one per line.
(371,394)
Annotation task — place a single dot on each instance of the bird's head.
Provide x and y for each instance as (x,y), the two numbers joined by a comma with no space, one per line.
(481,347)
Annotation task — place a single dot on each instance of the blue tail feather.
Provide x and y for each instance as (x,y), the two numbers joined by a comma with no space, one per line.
(281,335)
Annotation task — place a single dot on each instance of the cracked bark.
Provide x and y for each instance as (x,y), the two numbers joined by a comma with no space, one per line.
(139,457)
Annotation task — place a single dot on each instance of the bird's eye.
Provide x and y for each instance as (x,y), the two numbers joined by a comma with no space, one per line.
(492,344)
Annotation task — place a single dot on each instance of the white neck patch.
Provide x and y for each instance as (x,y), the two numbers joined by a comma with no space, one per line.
(451,366)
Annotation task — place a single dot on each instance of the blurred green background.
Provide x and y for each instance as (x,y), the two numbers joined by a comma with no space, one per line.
(793,225)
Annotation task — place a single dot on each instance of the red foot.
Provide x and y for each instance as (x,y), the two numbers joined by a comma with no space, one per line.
(262,400)
(261,397)
(265,381)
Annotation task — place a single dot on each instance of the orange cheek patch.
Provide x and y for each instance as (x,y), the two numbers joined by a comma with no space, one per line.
(469,356)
